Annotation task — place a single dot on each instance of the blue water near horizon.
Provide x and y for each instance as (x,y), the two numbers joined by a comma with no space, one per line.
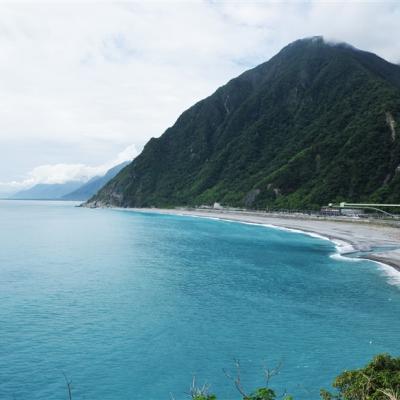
(133,305)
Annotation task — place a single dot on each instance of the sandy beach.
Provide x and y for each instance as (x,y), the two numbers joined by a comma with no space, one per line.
(378,241)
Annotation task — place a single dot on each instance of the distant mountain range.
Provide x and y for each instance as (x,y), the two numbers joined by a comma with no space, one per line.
(91,187)
(45,191)
(317,123)
(73,190)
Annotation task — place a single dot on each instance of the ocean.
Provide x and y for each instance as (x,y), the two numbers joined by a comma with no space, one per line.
(131,305)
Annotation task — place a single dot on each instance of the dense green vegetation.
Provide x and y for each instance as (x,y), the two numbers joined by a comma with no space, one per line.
(379,380)
(317,123)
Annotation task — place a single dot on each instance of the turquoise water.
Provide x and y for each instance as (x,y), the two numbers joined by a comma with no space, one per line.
(131,305)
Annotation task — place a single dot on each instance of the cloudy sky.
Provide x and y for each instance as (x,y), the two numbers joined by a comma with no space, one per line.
(85,84)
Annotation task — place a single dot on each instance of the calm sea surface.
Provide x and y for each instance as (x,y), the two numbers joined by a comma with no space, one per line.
(132,306)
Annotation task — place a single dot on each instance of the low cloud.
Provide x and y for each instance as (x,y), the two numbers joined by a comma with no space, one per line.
(61,173)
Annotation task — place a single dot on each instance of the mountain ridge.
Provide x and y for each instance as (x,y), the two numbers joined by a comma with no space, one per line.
(46,191)
(292,132)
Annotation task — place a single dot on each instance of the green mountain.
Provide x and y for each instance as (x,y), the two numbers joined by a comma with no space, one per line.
(317,123)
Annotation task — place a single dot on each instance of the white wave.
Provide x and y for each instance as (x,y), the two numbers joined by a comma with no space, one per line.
(343,248)
(339,257)
(391,274)
(294,230)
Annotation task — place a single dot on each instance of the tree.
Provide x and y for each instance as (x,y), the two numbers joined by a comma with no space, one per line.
(378,380)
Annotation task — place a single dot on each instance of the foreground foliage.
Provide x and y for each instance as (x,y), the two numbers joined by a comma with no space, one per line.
(378,380)
(259,394)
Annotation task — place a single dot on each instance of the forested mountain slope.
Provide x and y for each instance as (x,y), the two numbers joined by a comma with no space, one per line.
(317,123)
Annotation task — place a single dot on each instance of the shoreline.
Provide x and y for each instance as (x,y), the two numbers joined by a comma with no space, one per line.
(380,243)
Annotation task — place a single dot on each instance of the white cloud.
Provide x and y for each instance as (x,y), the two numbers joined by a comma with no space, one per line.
(127,154)
(87,78)
(61,173)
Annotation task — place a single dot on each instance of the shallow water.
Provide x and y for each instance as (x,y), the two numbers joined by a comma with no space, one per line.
(131,305)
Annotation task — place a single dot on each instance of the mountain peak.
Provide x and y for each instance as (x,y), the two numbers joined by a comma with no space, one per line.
(310,40)
(320,41)
(316,43)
